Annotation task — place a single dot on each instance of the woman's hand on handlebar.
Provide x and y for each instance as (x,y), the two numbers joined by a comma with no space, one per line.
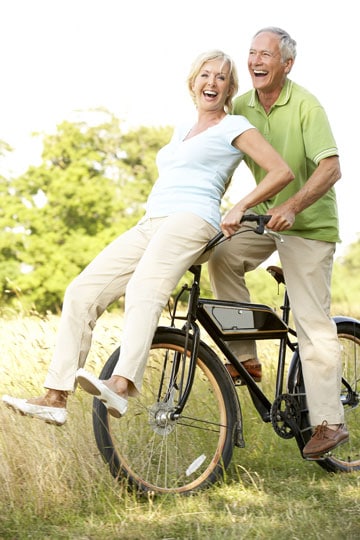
(231,222)
(259,221)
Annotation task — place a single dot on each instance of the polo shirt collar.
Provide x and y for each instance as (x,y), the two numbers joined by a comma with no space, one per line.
(281,100)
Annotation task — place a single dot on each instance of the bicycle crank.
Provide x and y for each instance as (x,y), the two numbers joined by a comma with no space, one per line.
(285,416)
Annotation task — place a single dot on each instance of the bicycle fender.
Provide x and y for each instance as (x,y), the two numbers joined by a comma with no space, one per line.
(342,318)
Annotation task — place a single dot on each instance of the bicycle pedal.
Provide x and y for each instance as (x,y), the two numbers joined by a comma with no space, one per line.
(321,457)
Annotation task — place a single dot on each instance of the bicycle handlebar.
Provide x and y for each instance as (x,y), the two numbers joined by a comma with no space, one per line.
(261,221)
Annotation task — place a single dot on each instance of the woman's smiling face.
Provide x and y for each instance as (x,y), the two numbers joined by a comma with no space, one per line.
(211,86)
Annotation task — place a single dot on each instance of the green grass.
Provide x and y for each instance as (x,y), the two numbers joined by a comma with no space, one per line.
(54,484)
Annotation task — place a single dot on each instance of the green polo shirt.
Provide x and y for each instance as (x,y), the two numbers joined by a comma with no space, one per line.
(298,128)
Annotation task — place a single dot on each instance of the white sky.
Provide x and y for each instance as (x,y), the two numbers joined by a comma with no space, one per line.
(133,56)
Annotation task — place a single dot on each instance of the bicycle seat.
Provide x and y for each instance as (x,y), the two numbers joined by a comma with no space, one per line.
(277,273)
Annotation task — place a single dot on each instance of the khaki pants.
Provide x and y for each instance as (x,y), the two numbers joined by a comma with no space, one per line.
(145,264)
(307,266)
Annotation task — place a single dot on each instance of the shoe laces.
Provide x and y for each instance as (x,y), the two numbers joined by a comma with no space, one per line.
(321,431)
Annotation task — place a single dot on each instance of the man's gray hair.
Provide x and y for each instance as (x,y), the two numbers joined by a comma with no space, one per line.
(287,43)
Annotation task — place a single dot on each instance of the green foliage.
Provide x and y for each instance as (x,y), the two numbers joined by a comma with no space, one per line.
(92,185)
(346,281)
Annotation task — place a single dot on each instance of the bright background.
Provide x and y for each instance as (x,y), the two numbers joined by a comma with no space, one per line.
(133,56)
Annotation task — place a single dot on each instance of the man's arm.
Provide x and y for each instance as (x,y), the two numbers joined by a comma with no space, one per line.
(323,178)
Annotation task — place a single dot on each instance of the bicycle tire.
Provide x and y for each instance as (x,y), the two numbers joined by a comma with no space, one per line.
(174,456)
(344,458)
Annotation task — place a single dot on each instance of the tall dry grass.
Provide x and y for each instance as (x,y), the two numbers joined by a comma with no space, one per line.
(54,484)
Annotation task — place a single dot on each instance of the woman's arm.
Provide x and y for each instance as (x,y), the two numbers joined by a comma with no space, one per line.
(278,175)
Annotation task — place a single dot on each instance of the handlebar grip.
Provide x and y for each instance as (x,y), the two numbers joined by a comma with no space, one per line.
(260,219)
(255,217)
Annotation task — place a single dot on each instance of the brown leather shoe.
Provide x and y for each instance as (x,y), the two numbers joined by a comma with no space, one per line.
(253,368)
(325,439)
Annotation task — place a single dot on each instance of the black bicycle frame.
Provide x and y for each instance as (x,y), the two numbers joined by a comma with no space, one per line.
(227,321)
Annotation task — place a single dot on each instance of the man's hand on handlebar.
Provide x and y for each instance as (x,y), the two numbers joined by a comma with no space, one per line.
(282,217)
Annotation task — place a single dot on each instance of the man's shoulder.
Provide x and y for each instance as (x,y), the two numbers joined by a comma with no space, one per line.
(302,93)
(243,98)
(291,93)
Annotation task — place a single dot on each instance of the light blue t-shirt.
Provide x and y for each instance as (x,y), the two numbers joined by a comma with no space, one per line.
(193,173)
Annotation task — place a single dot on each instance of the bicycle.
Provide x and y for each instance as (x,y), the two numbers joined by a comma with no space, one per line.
(178,436)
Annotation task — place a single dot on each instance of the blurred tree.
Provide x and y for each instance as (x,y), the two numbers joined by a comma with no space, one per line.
(92,184)
(346,281)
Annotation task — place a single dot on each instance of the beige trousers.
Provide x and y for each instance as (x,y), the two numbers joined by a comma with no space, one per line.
(307,266)
(145,263)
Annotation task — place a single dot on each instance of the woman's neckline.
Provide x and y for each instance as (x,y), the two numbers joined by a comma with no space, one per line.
(196,130)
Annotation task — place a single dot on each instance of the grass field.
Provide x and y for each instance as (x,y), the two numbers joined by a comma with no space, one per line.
(54,484)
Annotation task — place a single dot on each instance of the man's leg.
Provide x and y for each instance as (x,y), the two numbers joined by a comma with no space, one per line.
(228,264)
(307,267)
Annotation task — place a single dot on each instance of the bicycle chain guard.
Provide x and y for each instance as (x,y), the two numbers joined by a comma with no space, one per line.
(285,416)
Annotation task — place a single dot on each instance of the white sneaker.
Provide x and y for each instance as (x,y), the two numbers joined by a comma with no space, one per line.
(115,404)
(50,415)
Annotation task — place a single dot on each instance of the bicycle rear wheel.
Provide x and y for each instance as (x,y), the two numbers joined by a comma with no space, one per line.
(155,452)
(344,458)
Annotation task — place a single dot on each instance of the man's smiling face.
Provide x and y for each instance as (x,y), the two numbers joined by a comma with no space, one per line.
(265,64)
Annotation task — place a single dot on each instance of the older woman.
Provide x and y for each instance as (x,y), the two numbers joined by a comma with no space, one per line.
(146,262)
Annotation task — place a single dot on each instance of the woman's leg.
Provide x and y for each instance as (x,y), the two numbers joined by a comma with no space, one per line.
(101,283)
(174,247)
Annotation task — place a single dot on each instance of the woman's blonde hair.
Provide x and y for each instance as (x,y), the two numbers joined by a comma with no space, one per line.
(206,57)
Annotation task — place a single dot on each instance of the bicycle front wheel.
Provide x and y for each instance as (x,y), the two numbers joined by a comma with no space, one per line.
(156,452)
